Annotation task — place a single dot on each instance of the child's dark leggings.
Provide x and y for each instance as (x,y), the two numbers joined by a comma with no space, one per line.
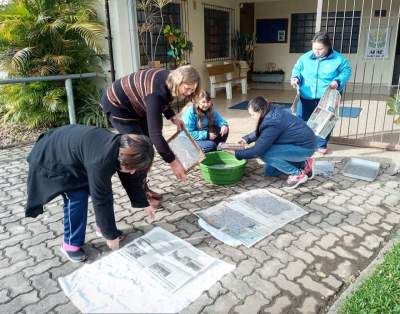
(211,145)
(133,183)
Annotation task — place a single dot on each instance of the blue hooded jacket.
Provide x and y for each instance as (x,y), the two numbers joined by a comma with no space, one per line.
(279,126)
(190,119)
(315,74)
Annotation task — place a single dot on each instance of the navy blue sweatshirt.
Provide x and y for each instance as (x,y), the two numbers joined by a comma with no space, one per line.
(279,126)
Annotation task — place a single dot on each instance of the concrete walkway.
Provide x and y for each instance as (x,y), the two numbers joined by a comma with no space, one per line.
(301,268)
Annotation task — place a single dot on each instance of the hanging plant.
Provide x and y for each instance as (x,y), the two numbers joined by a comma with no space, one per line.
(179,46)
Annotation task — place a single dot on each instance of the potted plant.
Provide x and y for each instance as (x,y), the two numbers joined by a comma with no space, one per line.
(150,28)
(270,75)
(393,104)
(243,45)
(179,46)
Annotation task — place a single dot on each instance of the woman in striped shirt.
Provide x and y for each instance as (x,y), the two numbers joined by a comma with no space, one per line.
(135,104)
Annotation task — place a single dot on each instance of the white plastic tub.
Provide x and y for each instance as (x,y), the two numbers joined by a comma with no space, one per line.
(361,169)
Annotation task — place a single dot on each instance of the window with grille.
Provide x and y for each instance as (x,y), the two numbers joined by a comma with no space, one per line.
(343,29)
(171,15)
(218,30)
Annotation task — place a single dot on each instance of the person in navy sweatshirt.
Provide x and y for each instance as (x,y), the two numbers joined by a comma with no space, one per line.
(283,141)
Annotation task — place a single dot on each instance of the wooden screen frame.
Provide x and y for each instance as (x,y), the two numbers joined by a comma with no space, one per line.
(196,146)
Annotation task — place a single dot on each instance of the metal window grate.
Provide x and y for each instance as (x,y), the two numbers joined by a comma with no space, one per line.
(218,30)
(343,28)
(173,13)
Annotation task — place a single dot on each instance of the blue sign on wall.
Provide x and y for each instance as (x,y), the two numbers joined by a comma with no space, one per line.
(271,31)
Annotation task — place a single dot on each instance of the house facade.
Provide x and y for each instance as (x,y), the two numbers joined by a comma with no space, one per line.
(352,24)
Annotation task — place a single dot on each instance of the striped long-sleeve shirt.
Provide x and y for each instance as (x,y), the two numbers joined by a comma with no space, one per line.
(142,96)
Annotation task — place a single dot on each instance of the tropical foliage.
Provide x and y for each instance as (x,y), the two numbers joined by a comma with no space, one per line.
(48,37)
(150,26)
(178,44)
(394,108)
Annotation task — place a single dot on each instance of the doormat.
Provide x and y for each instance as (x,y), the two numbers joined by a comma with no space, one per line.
(244,105)
(156,273)
(349,112)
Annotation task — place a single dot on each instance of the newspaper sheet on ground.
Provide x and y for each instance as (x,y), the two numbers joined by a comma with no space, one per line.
(248,217)
(156,273)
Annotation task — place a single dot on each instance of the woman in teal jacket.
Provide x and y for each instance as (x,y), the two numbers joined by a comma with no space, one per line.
(316,70)
(205,125)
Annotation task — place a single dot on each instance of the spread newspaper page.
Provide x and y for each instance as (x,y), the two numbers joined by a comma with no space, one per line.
(248,217)
(156,273)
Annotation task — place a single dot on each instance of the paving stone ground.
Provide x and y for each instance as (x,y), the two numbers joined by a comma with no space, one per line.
(301,268)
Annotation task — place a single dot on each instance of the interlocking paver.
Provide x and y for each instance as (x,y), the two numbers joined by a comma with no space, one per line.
(284,284)
(344,270)
(252,304)
(309,306)
(223,304)
(333,282)
(315,286)
(245,268)
(19,302)
(279,305)
(294,270)
(46,303)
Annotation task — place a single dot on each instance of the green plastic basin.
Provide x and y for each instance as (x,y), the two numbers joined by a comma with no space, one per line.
(222,168)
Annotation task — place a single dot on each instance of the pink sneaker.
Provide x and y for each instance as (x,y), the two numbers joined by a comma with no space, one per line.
(309,167)
(294,181)
(322,150)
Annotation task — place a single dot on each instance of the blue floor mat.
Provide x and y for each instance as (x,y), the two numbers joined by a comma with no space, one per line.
(349,112)
(244,105)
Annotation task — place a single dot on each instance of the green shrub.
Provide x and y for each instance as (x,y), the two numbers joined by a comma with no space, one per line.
(393,104)
(49,37)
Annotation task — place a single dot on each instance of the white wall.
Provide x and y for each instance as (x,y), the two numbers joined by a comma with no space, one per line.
(279,53)
(124,54)
(123,42)
(196,32)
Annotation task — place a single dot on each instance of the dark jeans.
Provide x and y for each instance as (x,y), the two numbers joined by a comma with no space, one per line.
(211,145)
(75,216)
(133,183)
(304,110)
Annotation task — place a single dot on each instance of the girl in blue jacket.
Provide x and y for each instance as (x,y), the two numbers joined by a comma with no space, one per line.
(283,141)
(205,125)
(316,70)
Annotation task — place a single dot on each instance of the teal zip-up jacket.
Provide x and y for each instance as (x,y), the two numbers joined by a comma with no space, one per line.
(315,74)
(190,120)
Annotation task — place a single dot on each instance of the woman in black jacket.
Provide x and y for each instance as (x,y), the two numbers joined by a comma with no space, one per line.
(76,161)
(135,104)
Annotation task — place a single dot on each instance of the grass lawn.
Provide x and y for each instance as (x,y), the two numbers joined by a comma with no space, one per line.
(380,293)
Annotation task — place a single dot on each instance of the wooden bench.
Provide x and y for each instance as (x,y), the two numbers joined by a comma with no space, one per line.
(227,72)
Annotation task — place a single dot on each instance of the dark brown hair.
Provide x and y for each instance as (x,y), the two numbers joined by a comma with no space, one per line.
(262,105)
(323,38)
(210,112)
(135,152)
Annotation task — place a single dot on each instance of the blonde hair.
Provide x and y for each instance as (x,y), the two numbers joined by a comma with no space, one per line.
(185,74)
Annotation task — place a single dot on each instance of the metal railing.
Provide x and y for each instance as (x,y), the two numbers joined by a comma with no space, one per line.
(374,79)
(68,86)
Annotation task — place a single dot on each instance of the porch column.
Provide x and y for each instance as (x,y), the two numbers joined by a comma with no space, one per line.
(133,31)
(319,15)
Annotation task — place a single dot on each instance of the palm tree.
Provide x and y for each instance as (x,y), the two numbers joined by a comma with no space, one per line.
(47,37)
